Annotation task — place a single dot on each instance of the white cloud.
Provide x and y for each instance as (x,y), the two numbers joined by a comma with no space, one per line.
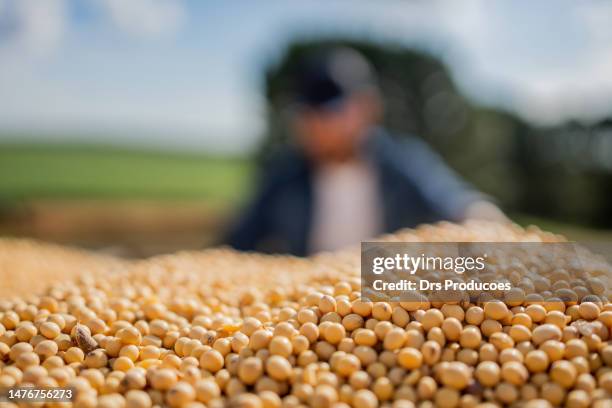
(550,62)
(31,28)
(146,17)
(580,87)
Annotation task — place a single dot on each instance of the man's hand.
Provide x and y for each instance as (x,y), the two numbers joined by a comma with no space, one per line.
(484,210)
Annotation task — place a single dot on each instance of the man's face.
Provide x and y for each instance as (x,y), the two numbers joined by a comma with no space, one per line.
(335,134)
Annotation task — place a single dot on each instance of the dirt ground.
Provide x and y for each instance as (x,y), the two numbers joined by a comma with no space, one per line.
(133,229)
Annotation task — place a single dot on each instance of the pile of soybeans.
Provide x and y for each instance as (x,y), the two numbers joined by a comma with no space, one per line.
(219,328)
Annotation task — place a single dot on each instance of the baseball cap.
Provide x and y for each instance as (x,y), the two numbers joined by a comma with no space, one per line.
(328,77)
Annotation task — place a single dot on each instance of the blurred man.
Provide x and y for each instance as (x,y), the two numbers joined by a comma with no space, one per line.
(343,179)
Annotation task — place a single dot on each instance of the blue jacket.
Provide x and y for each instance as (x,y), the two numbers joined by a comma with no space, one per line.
(415,185)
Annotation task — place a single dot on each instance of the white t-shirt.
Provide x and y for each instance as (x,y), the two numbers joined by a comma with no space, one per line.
(347,207)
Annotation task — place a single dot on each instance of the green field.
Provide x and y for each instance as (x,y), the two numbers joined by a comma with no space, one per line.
(68,171)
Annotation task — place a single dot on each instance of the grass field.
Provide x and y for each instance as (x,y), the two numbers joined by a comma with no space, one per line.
(67,171)
(132,202)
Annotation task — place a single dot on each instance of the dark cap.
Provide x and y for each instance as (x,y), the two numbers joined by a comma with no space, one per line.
(326,78)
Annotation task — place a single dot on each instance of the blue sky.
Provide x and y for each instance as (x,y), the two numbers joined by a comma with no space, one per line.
(187,74)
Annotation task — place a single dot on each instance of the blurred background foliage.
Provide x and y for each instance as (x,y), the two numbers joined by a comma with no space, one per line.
(559,173)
